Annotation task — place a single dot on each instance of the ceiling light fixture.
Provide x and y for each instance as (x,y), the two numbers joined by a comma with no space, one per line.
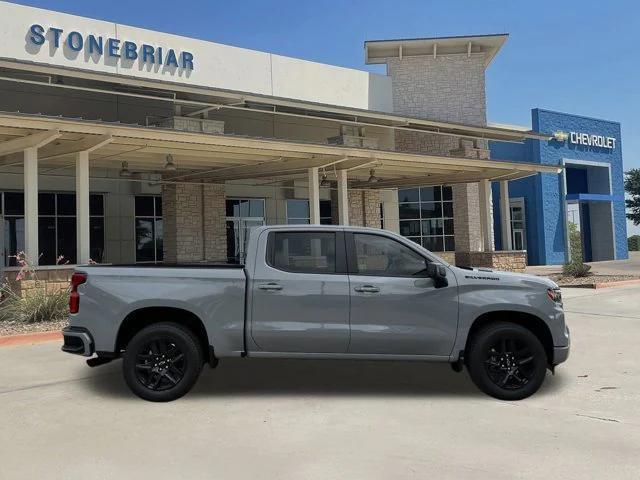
(324,182)
(372,177)
(124,171)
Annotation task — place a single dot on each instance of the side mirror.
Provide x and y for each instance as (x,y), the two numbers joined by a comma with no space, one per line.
(439,274)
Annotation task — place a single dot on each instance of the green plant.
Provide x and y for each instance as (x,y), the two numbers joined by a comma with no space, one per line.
(33,305)
(634,243)
(575,243)
(632,187)
(576,269)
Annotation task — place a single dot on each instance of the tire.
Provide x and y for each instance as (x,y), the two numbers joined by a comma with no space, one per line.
(162,362)
(506,361)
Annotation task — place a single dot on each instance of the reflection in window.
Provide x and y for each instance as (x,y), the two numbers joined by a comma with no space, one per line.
(381,256)
(304,252)
(426,217)
(148,224)
(56,227)
(298,212)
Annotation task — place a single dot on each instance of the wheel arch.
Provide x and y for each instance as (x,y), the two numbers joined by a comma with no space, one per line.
(534,324)
(143,317)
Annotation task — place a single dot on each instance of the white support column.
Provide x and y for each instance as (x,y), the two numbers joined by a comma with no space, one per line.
(486,217)
(31,205)
(314,196)
(82,207)
(343,198)
(505,215)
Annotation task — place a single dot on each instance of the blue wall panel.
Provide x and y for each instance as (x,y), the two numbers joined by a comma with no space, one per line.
(544,205)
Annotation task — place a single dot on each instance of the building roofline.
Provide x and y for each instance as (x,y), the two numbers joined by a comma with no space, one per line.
(379,51)
(586,117)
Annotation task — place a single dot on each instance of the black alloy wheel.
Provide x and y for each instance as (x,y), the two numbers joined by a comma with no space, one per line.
(507,361)
(162,362)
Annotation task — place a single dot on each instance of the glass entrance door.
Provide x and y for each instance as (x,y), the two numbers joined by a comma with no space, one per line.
(243,215)
(518,228)
(238,231)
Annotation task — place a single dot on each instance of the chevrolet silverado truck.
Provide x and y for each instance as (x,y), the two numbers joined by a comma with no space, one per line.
(319,292)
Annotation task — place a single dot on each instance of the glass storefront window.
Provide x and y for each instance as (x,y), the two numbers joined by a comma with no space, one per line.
(56,227)
(298,212)
(426,217)
(148,224)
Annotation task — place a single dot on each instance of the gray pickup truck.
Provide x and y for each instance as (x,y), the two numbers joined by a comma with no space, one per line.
(323,292)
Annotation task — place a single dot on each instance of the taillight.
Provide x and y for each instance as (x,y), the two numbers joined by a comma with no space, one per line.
(77,278)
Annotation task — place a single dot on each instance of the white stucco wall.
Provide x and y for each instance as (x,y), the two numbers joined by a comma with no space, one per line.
(215,65)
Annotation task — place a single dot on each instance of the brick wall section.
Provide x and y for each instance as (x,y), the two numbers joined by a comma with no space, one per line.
(194,223)
(511,261)
(447,88)
(215,234)
(364,208)
(49,279)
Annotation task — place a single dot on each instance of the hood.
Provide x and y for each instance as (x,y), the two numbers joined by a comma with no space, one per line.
(490,275)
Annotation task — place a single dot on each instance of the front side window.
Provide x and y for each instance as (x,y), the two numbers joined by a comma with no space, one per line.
(304,252)
(385,257)
(148,223)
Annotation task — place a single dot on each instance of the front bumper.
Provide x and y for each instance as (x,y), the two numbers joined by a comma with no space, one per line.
(77,341)
(561,354)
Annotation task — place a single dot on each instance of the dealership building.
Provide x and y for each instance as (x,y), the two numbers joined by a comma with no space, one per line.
(123,145)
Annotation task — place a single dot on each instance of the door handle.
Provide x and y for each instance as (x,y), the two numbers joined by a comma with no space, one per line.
(270,286)
(367,289)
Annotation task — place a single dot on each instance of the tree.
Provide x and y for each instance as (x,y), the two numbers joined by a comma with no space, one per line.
(632,187)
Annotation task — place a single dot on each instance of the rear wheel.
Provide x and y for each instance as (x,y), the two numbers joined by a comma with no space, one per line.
(162,362)
(507,361)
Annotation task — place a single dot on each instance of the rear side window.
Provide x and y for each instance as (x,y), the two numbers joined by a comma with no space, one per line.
(385,257)
(303,252)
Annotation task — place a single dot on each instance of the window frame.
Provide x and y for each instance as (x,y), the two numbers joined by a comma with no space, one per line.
(352,256)
(56,216)
(154,218)
(308,219)
(340,248)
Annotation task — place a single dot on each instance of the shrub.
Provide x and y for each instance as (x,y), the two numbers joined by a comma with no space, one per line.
(35,305)
(576,269)
(634,243)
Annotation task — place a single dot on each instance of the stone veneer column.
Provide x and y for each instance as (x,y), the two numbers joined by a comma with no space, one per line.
(364,208)
(449,88)
(193,223)
(215,227)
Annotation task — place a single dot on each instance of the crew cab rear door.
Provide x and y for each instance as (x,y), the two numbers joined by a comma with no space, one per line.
(300,293)
(396,308)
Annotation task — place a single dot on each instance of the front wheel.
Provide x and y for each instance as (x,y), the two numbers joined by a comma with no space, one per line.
(162,362)
(506,361)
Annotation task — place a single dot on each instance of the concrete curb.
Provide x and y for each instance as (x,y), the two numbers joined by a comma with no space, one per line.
(30,338)
(621,283)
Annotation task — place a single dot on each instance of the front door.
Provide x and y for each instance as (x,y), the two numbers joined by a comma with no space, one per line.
(300,293)
(395,308)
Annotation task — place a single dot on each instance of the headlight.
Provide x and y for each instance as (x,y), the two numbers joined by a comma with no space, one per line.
(555,295)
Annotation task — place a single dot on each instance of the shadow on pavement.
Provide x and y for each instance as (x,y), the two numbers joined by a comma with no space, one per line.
(242,378)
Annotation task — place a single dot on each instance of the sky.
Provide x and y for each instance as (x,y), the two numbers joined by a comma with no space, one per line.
(577,56)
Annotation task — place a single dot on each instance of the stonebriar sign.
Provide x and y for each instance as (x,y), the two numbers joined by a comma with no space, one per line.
(114,48)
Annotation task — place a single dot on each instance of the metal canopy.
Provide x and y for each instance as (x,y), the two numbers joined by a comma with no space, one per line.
(221,158)
(200,99)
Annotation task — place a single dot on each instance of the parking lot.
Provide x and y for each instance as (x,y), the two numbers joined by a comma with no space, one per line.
(324,419)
